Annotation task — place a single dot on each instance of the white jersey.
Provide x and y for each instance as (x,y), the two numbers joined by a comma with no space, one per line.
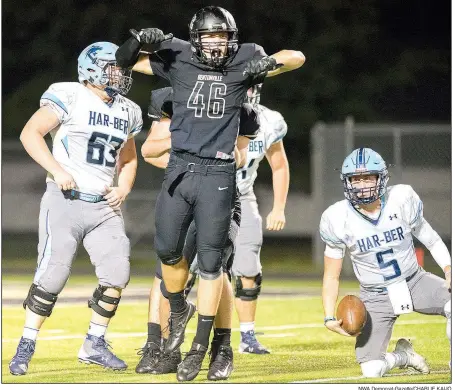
(272,130)
(91,133)
(382,251)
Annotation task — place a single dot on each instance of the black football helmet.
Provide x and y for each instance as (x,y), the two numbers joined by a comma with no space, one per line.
(213,20)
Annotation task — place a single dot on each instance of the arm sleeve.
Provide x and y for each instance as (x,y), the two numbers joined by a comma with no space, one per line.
(335,248)
(428,237)
(249,121)
(276,128)
(60,99)
(135,122)
(127,54)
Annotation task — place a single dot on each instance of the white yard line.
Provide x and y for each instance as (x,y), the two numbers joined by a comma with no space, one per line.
(118,335)
(349,378)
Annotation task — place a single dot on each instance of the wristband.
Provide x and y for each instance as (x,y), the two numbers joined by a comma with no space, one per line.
(330,318)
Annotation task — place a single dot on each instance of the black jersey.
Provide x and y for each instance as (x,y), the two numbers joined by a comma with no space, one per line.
(161,105)
(206,101)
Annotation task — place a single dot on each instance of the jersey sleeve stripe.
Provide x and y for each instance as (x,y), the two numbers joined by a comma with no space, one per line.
(278,139)
(65,144)
(326,239)
(419,211)
(55,99)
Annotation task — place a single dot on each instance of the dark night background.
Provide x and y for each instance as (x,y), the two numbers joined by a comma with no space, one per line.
(378,60)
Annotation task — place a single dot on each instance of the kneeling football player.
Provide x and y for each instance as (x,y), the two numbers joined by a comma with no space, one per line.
(376,224)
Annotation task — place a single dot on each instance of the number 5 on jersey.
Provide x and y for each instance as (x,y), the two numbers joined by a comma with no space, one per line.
(215,105)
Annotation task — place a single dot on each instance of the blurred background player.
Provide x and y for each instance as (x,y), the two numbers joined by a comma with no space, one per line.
(156,151)
(246,268)
(92,127)
(376,224)
(210,76)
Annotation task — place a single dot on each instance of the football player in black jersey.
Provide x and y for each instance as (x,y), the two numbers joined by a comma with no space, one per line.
(155,151)
(210,76)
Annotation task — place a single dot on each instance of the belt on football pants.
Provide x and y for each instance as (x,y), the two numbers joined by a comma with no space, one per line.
(383,289)
(76,195)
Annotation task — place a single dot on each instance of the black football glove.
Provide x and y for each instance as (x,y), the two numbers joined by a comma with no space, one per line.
(150,35)
(258,66)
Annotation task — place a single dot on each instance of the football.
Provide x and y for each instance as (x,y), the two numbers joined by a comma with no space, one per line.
(353,313)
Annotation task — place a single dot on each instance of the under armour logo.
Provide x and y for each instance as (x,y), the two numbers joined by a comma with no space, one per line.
(393,216)
(404,307)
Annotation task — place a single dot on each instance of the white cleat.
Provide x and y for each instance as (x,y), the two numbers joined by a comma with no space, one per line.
(416,361)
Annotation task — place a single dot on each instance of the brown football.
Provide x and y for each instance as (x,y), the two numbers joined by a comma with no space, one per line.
(353,313)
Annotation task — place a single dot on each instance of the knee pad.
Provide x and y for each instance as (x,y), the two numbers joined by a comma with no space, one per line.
(98,295)
(210,264)
(36,305)
(448,309)
(164,292)
(248,294)
(167,256)
(374,368)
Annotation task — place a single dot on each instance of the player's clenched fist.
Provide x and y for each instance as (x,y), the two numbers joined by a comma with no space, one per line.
(115,196)
(149,35)
(64,180)
(258,66)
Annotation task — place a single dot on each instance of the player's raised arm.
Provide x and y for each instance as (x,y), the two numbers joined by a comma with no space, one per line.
(283,61)
(32,137)
(129,55)
(291,60)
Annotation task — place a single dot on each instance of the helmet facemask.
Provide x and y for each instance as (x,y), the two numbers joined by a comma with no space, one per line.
(117,79)
(214,54)
(365,195)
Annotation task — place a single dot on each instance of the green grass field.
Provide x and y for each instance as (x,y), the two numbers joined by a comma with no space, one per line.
(302,349)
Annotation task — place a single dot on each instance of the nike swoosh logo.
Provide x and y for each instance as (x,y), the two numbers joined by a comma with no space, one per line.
(222,188)
(225,371)
(206,320)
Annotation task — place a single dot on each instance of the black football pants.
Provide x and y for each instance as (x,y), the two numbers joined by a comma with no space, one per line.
(203,189)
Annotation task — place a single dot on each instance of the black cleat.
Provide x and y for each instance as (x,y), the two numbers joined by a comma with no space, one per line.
(177,325)
(167,364)
(150,355)
(191,365)
(221,362)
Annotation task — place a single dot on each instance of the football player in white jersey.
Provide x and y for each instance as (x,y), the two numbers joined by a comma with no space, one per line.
(376,225)
(246,268)
(92,127)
